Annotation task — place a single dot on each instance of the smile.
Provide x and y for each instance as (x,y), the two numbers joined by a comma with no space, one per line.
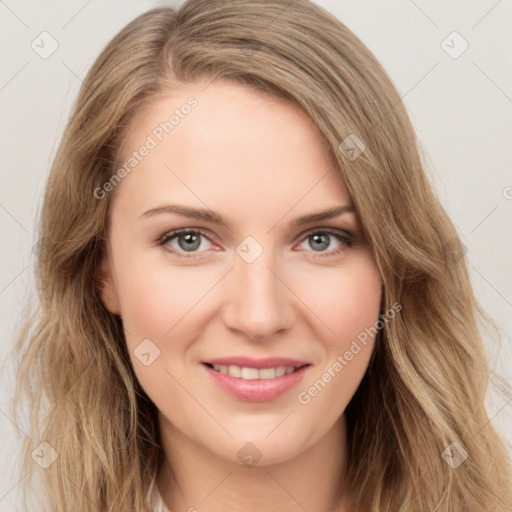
(247,373)
(255,384)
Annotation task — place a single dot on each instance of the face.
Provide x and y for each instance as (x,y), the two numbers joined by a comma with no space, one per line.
(258,295)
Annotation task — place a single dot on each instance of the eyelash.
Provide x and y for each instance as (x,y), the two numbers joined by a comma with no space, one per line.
(345,238)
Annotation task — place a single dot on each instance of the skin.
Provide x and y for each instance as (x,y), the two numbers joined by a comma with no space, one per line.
(260,162)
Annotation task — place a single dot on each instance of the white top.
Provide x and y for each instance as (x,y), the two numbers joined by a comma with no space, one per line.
(157,502)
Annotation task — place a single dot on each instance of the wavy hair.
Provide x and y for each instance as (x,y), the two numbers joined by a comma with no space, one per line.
(425,386)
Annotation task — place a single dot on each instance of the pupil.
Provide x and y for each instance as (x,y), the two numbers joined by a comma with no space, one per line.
(189,237)
(325,244)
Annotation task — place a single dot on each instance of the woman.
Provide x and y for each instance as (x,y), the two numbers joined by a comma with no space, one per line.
(250,297)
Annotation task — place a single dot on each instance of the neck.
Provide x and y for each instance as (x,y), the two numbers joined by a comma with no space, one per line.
(194,478)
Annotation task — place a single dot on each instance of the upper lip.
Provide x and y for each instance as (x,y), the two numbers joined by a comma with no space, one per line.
(249,362)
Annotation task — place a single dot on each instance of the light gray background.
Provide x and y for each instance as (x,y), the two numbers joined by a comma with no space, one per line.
(461,109)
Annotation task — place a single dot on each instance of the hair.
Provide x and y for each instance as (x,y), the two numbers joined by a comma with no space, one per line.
(426,383)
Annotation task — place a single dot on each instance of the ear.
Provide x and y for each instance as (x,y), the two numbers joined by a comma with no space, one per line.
(106,285)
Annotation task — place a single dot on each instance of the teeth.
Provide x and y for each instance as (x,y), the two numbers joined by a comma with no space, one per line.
(280,371)
(234,371)
(250,373)
(246,373)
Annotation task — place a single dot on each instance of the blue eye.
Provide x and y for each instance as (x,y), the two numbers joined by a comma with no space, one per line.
(190,241)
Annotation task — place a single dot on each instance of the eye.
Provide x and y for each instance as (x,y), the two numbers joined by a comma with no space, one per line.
(320,240)
(188,240)
(183,241)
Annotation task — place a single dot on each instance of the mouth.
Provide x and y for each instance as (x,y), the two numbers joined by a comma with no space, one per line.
(263,381)
(250,373)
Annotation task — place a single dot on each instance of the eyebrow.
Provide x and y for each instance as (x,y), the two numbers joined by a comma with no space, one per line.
(216,218)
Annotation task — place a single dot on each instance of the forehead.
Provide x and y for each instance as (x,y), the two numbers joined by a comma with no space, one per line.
(225,144)
(221,111)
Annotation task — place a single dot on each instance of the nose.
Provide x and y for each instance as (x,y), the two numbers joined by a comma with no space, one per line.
(259,304)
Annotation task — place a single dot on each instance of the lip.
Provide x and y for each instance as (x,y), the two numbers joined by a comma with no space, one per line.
(249,362)
(256,390)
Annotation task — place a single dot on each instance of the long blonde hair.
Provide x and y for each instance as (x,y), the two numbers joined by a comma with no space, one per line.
(426,383)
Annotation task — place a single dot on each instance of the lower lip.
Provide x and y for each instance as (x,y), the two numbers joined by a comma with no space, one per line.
(256,390)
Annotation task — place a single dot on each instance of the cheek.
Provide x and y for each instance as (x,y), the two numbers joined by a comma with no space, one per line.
(155,301)
(347,301)
(156,307)
(350,307)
